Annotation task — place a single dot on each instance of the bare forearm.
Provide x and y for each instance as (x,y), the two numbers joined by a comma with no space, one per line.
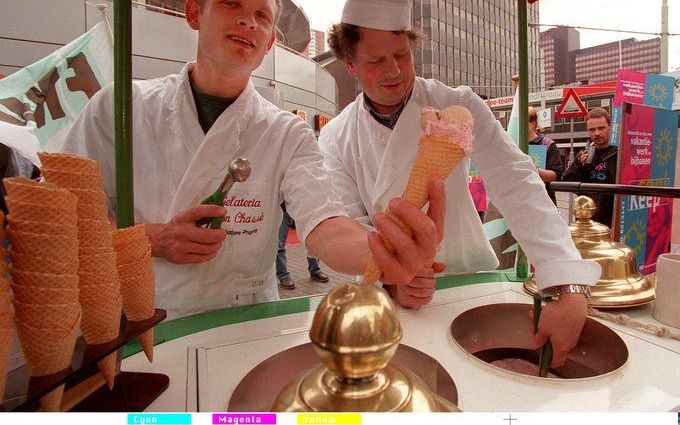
(341,243)
(547,175)
(153,231)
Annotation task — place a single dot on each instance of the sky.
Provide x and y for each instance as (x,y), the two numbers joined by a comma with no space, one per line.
(632,15)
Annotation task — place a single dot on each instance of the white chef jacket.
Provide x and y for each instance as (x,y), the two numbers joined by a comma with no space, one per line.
(176,165)
(370,164)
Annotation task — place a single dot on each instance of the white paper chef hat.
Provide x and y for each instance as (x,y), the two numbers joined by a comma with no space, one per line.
(386,15)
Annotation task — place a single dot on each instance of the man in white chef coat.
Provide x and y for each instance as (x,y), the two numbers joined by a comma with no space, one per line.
(369,147)
(187,127)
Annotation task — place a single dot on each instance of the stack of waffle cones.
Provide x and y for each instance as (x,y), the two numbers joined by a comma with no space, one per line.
(444,143)
(44,253)
(137,282)
(98,279)
(5,313)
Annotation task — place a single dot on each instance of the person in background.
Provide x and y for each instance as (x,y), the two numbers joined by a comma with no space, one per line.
(597,163)
(282,273)
(553,160)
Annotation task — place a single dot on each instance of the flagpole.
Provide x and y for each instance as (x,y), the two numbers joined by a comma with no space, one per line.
(104,10)
(522,267)
(122,71)
(523,44)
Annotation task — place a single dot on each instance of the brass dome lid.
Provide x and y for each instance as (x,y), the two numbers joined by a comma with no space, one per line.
(356,332)
(621,285)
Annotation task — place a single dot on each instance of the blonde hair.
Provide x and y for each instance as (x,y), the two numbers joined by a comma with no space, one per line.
(533,115)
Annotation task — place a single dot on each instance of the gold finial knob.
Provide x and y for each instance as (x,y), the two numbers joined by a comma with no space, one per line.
(356,331)
(583,208)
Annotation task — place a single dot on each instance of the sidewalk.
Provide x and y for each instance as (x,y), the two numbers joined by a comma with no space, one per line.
(304,286)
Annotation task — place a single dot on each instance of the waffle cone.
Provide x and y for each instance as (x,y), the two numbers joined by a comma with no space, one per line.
(107,367)
(44,295)
(65,202)
(146,341)
(52,402)
(60,248)
(5,346)
(28,262)
(138,297)
(88,279)
(86,225)
(143,267)
(50,339)
(102,309)
(129,233)
(45,228)
(132,251)
(104,263)
(47,315)
(88,251)
(44,280)
(89,196)
(33,212)
(95,239)
(437,155)
(29,191)
(72,180)
(5,302)
(93,211)
(47,350)
(68,162)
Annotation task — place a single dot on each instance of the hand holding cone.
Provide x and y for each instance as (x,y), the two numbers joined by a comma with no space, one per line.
(445,141)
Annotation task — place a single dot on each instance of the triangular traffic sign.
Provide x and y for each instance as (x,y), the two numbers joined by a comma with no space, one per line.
(571,106)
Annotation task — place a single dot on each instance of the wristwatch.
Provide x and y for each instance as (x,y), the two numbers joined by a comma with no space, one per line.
(556,291)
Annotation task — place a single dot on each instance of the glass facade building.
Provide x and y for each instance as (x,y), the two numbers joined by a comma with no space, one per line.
(565,62)
(474,43)
(557,45)
(600,63)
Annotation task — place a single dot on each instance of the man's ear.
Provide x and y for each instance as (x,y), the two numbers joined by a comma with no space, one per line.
(192,12)
(271,40)
(350,68)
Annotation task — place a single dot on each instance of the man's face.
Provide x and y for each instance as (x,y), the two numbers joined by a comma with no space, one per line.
(233,35)
(383,64)
(599,132)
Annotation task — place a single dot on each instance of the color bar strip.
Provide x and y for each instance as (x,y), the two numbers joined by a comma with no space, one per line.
(244,418)
(159,419)
(329,419)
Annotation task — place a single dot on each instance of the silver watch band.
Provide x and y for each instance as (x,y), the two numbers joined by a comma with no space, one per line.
(557,291)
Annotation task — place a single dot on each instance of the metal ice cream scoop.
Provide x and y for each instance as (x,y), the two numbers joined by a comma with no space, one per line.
(238,171)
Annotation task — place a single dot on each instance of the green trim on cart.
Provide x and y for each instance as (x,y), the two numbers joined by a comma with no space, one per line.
(512,277)
(454,281)
(179,328)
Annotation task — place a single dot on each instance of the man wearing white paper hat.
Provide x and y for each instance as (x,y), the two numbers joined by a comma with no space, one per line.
(369,147)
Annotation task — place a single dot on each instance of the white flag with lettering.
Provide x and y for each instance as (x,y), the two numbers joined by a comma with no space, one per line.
(40,103)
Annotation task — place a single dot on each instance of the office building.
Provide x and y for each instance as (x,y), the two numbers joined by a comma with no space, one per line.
(474,43)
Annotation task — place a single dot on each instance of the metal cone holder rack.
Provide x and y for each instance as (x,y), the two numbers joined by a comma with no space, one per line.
(85,387)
